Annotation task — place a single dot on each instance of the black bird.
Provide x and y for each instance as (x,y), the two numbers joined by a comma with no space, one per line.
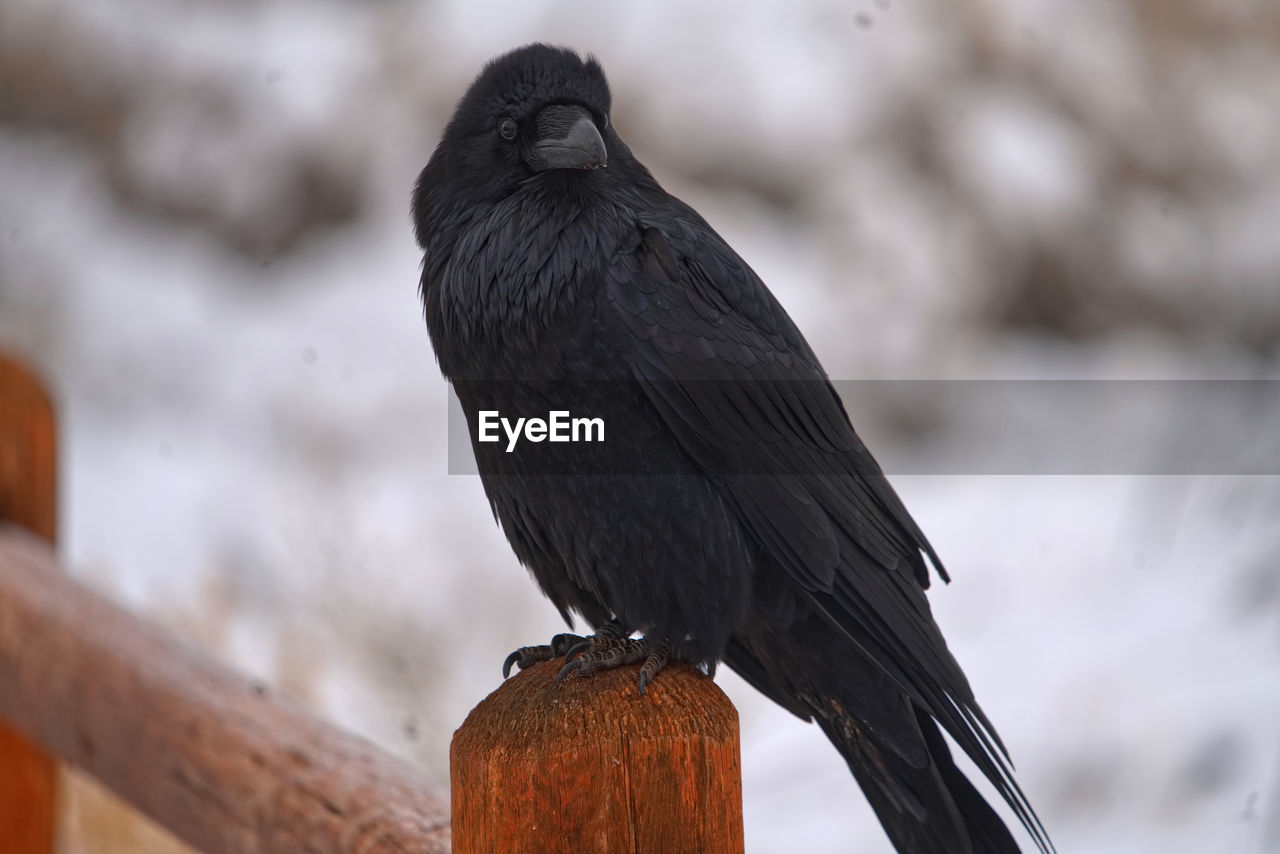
(733,514)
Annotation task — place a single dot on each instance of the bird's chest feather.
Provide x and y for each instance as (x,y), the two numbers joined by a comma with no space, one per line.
(515,286)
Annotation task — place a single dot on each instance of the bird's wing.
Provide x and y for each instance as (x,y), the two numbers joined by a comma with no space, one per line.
(737,384)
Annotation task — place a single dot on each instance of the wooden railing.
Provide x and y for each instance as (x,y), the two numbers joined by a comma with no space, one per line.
(230,768)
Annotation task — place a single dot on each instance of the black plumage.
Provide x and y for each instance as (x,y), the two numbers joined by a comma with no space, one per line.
(733,514)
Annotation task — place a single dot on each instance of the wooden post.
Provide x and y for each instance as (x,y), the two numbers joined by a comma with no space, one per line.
(590,766)
(28,496)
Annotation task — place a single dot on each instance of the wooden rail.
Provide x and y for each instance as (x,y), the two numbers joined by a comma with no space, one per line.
(209,755)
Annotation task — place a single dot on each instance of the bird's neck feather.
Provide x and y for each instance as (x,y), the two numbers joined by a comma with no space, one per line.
(496,282)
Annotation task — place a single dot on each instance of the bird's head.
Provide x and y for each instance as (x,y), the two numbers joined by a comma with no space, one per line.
(533,111)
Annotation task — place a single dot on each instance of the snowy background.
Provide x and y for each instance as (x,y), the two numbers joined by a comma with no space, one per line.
(204,243)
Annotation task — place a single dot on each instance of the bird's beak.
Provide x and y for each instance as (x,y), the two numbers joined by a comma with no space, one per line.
(567,138)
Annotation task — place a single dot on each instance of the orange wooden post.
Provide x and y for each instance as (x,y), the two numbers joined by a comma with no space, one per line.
(28,444)
(589,766)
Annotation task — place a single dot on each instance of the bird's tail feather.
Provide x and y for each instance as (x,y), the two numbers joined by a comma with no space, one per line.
(925,803)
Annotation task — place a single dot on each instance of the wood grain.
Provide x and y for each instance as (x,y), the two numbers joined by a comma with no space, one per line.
(590,766)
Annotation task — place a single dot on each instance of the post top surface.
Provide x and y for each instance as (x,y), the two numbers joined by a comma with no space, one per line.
(531,708)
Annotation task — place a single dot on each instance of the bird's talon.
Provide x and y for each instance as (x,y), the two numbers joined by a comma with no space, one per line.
(562,643)
(526,656)
(578,648)
(611,646)
(657,658)
(575,664)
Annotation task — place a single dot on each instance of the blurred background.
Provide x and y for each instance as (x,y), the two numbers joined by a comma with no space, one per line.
(205,246)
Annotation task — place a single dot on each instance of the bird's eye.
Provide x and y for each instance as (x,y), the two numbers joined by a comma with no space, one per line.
(507,128)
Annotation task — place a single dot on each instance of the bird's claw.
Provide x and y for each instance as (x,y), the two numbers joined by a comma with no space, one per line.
(658,657)
(608,648)
(518,655)
(578,648)
(569,667)
(605,653)
(527,656)
(524,657)
(599,651)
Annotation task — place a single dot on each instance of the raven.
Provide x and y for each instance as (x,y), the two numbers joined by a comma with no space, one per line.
(739,518)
